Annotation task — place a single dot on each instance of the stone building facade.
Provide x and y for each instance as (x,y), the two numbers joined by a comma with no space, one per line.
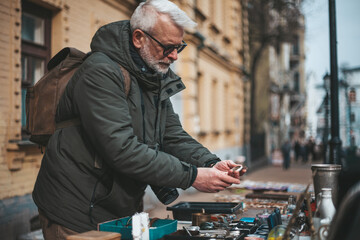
(349,107)
(281,93)
(211,108)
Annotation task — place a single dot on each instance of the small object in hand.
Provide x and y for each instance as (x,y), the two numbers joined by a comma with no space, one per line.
(237,168)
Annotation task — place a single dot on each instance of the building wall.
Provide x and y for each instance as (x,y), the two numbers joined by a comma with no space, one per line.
(355,107)
(11,182)
(349,126)
(247,83)
(213,109)
(344,118)
(278,102)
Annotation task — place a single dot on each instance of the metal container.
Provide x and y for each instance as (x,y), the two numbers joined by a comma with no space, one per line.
(326,176)
(199,218)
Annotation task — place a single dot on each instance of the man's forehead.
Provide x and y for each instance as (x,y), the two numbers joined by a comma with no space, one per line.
(165,23)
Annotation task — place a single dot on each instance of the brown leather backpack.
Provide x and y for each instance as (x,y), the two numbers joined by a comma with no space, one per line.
(42,98)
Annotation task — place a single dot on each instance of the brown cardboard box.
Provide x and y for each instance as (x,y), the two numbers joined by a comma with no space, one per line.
(95,235)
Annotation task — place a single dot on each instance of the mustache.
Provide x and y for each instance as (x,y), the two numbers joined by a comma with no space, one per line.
(167,62)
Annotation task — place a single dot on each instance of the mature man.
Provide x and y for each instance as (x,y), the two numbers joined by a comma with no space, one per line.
(98,170)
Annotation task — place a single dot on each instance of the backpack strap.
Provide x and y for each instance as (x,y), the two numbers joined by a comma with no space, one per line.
(66,53)
(127,80)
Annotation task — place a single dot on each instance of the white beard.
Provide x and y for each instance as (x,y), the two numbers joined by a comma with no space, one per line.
(154,64)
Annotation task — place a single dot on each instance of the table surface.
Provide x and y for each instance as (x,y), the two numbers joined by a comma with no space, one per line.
(161,212)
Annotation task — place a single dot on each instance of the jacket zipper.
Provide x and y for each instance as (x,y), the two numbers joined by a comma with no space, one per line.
(92,201)
(157,125)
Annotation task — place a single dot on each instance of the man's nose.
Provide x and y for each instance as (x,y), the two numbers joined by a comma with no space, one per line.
(173,55)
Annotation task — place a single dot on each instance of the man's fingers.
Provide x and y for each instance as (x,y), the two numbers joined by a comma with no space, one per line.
(223,184)
(234,174)
(229,179)
(243,171)
(231,164)
(218,188)
(213,180)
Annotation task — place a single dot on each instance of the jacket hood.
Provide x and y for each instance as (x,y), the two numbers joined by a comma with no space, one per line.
(113,39)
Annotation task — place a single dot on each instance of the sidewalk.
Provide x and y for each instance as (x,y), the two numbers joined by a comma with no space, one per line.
(298,173)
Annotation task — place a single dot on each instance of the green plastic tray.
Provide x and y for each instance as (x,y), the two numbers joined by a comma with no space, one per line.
(160,228)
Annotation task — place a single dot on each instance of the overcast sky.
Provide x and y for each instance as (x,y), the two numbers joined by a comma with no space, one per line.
(317,44)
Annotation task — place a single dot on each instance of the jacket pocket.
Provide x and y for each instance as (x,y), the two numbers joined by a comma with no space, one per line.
(124,198)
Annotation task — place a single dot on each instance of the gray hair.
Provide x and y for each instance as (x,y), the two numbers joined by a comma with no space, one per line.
(145,15)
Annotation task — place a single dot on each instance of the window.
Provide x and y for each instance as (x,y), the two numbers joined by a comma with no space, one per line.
(352,95)
(202,108)
(296,82)
(352,117)
(295,46)
(227,113)
(35,48)
(215,104)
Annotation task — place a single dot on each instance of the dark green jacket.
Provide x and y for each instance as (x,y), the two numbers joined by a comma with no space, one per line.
(99,170)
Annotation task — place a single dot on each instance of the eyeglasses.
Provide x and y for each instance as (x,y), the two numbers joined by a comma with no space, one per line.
(168,49)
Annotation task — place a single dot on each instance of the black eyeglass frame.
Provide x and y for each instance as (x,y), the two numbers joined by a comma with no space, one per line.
(168,49)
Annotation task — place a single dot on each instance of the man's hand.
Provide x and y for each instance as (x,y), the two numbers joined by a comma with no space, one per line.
(213,179)
(230,167)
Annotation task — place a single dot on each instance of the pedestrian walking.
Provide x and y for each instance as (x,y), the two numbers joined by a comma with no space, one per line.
(286,149)
(311,149)
(297,149)
(303,150)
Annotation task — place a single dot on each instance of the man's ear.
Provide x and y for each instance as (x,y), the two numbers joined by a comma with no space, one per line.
(138,38)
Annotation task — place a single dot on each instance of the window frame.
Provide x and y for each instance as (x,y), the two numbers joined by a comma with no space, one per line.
(35,50)
(352,95)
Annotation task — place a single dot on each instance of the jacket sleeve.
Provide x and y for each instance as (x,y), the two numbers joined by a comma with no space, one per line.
(101,104)
(180,144)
